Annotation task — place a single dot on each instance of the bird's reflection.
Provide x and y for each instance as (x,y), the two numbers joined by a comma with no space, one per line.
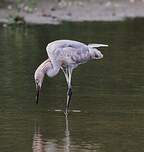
(40,144)
(67,135)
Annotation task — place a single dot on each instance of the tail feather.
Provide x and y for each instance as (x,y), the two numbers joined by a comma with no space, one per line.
(97,45)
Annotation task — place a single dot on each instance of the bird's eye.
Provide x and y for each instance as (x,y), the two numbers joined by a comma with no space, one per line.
(96,55)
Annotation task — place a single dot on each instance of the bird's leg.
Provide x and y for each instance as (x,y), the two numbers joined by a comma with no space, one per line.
(69,95)
(65,71)
(68,73)
(69,92)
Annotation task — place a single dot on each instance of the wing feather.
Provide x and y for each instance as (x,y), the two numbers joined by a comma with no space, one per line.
(97,45)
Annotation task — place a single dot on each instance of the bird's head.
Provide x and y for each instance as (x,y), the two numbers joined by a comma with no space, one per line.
(38,76)
(40,72)
(95,53)
(98,54)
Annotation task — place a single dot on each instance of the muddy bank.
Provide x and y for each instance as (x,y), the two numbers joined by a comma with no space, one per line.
(56,11)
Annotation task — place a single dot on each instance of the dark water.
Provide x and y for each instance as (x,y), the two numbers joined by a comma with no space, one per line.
(108,94)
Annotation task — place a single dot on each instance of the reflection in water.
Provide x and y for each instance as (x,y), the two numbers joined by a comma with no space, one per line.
(40,144)
(65,144)
(67,135)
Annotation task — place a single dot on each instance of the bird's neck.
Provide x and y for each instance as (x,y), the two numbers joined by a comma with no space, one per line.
(47,68)
(46,65)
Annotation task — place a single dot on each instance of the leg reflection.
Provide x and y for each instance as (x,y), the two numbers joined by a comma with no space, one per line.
(67,136)
(41,143)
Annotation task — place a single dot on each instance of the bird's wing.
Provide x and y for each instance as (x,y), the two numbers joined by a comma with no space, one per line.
(75,55)
(68,54)
(97,45)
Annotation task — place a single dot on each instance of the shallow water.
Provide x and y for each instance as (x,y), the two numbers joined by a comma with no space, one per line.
(107,110)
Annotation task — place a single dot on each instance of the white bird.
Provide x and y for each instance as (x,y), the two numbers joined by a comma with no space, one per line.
(65,55)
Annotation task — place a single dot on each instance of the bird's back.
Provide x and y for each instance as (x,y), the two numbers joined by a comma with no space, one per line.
(68,52)
(65,43)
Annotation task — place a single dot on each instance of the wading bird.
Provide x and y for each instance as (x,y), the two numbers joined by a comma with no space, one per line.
(65,55)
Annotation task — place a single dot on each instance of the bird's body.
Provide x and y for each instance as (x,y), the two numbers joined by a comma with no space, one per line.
(66,55)
(68,52)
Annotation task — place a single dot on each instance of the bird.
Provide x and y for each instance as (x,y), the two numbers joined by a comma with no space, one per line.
(65,55)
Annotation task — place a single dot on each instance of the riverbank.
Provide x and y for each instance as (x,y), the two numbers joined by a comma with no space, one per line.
(54,12)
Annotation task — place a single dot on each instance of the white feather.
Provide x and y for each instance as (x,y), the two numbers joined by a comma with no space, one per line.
(97,45)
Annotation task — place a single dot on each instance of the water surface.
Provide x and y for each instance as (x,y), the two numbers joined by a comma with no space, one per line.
(107,110)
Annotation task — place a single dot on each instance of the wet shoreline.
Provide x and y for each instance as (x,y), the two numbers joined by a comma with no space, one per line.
(52,12)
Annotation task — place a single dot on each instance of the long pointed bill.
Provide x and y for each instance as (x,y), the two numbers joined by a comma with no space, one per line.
(37,94)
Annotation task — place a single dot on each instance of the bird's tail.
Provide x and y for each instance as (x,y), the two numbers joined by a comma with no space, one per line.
(97,45)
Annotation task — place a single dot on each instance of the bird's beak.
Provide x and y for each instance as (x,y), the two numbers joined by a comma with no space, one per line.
(37,93)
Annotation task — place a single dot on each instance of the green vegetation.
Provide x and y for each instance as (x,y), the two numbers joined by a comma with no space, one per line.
(21,6)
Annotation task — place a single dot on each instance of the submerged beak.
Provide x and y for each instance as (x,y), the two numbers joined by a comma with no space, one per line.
(37,93)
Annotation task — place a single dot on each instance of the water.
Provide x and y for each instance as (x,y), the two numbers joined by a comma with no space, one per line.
(107,110)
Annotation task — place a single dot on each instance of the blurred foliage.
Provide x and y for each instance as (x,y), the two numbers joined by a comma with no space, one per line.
(20,5)
(27,5)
